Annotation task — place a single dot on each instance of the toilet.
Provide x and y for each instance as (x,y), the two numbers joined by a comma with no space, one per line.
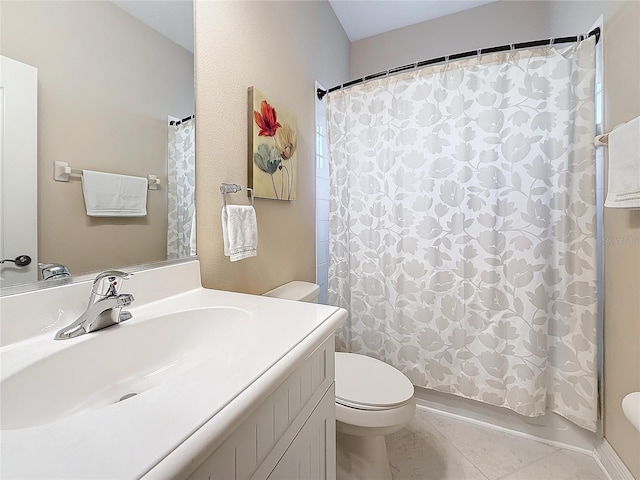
(373,399)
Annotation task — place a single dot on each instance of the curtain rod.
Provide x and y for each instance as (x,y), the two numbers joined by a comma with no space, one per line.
(513,46)
(178,122)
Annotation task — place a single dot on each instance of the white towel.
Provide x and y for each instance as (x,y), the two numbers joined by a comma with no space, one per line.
(624,166)
(239,232)
(111,195)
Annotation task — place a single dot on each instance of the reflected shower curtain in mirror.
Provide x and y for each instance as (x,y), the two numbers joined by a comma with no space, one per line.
(462,227)
(181,190)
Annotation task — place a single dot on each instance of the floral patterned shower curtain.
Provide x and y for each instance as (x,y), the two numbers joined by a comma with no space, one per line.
(462,227)
(181,190)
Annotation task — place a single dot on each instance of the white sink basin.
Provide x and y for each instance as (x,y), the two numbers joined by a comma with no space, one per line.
(198,360)
(99,369)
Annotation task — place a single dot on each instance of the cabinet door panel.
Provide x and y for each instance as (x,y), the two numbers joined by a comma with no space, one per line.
(253,450)
(311,456)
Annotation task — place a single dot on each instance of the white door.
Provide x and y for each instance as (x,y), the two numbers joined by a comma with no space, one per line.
(18,170)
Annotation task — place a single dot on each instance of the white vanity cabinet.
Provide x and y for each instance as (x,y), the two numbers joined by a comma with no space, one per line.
(290,435)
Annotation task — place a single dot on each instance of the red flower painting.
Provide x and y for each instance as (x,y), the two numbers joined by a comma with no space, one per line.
(267,121)
(272,148)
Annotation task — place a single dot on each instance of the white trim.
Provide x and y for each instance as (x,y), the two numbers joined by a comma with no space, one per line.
(321,195)
(551,429)
(610,463)
(600,176)
(603,453)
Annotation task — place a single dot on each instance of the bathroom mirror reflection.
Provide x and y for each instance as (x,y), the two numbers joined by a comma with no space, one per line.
(110,76)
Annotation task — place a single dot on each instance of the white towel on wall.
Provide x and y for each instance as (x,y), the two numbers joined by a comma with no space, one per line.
(239,232)
(111,195)
(624,166)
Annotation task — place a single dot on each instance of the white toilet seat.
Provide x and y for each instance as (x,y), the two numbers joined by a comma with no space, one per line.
(368,408)
(371,395)
(366,383)
(356,421)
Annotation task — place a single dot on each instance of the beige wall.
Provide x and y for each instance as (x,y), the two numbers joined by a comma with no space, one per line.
(486,26)
(281,48)
(106,83)
(508,22)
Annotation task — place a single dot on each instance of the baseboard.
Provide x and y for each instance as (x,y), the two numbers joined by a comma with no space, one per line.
(610,462)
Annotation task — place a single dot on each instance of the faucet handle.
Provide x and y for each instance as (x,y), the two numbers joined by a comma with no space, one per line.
(112,273)
(112,287)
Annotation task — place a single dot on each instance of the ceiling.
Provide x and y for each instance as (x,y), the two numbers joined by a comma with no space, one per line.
(359,18)
(365,18)
(172,18)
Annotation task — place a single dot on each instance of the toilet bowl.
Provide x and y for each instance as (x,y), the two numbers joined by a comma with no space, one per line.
(373,399)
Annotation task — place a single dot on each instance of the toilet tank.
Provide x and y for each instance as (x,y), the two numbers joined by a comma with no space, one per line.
(301,291)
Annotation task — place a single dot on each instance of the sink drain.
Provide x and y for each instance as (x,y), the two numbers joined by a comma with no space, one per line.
(128,395)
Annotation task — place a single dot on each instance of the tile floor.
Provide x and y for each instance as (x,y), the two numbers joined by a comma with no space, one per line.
(440,447)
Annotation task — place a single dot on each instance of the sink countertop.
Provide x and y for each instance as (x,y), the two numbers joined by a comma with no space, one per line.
(149,433)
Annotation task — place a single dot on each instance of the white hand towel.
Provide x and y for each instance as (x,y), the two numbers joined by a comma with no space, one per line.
(111,195)
(624,166)
(239,232)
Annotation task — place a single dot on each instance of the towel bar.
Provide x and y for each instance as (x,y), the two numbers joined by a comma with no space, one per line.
(233,188)
(601,140)
(62,171)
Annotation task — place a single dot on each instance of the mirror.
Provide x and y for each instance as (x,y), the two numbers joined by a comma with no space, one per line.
(110,76)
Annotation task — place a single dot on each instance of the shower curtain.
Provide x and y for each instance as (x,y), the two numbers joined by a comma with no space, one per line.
(181,190)
(462,227)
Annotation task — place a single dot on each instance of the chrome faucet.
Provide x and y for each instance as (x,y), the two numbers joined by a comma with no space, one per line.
(53,271)
(104,308)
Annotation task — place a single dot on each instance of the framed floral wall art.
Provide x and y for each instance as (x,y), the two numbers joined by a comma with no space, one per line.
(272,148)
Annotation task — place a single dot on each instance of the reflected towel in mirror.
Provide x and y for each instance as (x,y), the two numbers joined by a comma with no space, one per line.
(624,166)
(112,195)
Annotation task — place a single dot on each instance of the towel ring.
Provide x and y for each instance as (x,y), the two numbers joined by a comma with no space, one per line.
(233,188)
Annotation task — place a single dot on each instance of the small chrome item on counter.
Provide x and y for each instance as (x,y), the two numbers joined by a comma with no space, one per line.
(53,271)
